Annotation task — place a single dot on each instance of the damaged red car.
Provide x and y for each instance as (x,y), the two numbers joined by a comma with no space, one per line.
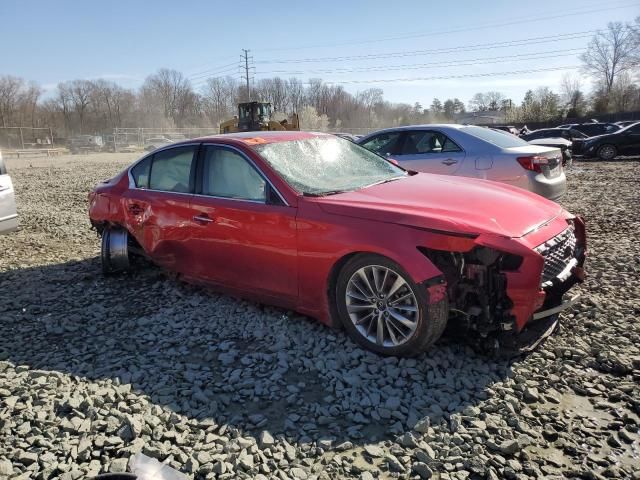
(317,224)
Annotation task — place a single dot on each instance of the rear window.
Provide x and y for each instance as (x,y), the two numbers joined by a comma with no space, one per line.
(497,138)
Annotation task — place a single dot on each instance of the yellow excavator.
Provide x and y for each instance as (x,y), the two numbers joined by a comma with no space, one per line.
(256,117)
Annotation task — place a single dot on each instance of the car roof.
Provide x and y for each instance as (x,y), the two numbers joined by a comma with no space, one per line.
(258,138)
(424,126)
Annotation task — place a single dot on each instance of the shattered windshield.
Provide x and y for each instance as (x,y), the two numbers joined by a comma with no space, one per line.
(324,165)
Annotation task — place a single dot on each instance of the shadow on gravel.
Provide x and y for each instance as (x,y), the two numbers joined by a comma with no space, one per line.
(223,361)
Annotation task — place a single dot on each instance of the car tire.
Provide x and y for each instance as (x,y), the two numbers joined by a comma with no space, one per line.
(114,251)
(384,310)
(607,152)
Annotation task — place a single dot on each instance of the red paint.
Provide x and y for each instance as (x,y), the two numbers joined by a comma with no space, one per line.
(286,255)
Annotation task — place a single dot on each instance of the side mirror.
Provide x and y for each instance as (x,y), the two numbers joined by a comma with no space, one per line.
(393,160)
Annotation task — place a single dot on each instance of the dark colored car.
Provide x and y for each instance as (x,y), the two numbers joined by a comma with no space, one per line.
(607,147)
(561,138)
(567,133)
(593,129)
(626,123)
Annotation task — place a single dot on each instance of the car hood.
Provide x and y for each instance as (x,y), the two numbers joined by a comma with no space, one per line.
(446,203)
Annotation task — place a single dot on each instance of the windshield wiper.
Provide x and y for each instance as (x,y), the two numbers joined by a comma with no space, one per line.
(382,181)
(324,194)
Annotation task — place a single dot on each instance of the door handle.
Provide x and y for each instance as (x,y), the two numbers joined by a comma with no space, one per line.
(135,209)
(202,218)
(449,161)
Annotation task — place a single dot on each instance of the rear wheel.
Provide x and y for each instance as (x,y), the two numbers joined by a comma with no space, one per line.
(114,253)
(384,310)
(607,152)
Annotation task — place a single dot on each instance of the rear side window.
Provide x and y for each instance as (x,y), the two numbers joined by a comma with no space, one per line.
(3,169)
(171,169)
(140,173)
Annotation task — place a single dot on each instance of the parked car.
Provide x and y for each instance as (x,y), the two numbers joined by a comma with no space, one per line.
(607,147)
(563,144)
(593,128)
(566,133)
(506,128)
(317,224)
(626,123)
(471,151)
(8,211)
(86,144)
(156,142)
(348,136)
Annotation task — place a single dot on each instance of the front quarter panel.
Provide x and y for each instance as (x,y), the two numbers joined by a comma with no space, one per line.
(324,239)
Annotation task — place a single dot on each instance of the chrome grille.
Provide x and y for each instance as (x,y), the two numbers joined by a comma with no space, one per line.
(558,253)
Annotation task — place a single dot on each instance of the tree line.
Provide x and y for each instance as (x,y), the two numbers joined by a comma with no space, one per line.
(167,98)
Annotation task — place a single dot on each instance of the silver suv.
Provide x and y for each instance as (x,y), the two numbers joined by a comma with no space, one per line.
(8,213)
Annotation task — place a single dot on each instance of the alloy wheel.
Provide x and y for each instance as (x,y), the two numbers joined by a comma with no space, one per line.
(382,306)
(607,152)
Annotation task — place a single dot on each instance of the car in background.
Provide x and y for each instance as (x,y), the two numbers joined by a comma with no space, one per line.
(472,151)
(317,224)
(592,128)
(551,137)
(566,133)
(8,211)
(348,136)
(627,123)
(156,142)
(86,144)
(625,141)
(506,128)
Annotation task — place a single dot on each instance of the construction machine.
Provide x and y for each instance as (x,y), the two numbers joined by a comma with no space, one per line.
(255,117)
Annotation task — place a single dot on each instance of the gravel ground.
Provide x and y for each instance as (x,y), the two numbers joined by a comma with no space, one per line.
(93,370)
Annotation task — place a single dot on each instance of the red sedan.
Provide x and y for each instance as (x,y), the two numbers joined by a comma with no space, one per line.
(320,225)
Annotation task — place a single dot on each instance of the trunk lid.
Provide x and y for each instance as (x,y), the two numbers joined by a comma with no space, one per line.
(553,167)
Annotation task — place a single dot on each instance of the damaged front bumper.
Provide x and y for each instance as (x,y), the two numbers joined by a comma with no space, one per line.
(564,305)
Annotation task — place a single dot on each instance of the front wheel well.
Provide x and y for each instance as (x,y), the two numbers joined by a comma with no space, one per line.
(331,287)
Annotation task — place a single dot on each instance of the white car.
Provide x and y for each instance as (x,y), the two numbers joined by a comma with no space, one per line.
(156,142)
(8,212)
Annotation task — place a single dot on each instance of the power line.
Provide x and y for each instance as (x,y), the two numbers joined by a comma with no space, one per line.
(214,71)
(458,63)
(467,48)
(516,21)
(447,77)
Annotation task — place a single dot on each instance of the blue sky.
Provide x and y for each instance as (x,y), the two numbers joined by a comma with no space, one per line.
(125,41)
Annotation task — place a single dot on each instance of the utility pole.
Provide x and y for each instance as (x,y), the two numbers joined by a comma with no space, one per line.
(245,56)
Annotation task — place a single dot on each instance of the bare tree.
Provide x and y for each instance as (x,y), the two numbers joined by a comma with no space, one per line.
(172,91)
(494,100)
(478,103)
(80,92)
(572,95)
(623,93)
(611,53)
(10,91)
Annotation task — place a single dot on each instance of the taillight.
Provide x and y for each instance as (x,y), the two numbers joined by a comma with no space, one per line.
(533,163)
